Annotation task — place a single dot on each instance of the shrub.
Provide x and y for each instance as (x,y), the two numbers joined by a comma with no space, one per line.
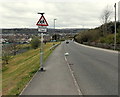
(5,58)
(35,43)
(118,38)
(87,36)
(108,39)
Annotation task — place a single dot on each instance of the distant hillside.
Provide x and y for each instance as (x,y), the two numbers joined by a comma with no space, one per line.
(35,31)
(19,31)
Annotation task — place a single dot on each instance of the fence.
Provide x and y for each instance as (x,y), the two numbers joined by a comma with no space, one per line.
(54,46)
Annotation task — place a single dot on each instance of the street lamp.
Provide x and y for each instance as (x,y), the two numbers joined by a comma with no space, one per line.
(54,24)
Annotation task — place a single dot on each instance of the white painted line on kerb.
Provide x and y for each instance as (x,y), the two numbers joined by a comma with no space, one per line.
(111,51)
(75,82)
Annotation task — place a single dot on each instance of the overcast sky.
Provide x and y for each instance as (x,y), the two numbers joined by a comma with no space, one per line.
(69,13)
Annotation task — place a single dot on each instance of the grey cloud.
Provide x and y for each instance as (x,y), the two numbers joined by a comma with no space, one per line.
(68,14)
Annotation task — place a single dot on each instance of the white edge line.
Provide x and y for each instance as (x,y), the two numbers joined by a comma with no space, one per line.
(111,51)
(28,83)
(75,82)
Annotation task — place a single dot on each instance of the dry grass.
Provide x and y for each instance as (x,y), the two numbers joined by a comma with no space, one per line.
(20,70)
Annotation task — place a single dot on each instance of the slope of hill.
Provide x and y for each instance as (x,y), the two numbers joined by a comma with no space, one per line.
(103,35)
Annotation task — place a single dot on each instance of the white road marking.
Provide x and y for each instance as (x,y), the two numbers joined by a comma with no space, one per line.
(111,51)
(75,82)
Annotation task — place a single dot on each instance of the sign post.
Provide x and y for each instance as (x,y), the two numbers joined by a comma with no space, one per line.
(42,27)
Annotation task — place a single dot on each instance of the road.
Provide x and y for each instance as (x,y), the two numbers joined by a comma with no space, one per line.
(55,80)
(94,71)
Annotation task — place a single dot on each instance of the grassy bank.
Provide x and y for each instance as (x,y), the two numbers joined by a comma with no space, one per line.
(20,70)
(100,36)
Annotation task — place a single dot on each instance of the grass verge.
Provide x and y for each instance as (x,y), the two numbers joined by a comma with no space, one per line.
(21,69)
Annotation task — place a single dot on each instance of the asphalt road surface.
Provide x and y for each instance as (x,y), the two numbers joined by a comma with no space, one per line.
(95,72)
(56,80)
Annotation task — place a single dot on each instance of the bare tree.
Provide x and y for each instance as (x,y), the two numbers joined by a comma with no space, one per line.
(105,18)
(6,51)
(14,43)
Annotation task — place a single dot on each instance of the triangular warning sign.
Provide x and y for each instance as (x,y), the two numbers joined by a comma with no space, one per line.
(42,22)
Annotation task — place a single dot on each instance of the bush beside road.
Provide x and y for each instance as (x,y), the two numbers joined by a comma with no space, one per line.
(98,37)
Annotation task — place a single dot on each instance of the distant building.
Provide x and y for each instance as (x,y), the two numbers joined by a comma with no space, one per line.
(119,11)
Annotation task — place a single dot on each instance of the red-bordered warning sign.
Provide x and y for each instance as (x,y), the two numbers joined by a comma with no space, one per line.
(42,21)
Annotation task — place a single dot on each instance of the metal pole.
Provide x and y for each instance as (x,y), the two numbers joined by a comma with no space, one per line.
(41,53)
(54,26)
(41,50)
(115,29)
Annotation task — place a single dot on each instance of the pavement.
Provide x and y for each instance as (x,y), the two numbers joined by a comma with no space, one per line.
(55,80)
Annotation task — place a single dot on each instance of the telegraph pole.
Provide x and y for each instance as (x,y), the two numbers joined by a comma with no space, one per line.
(115,29)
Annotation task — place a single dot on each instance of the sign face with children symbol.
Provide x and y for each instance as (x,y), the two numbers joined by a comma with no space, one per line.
(42,21)
(42,24)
